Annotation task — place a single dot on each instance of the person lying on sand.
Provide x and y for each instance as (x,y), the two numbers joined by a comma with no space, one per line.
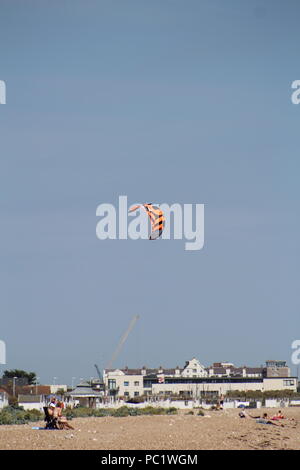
(260,420)
(265,420)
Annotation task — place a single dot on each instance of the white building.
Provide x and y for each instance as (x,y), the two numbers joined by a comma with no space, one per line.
(193,368)
(57,388)
(3,399)
(127,383)
(193,380)
(220,386)
(32,402)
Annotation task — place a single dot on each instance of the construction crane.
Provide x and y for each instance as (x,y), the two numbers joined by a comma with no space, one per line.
(122,341)
(99,373)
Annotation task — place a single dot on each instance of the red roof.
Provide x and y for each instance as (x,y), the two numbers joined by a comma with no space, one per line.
(36,390)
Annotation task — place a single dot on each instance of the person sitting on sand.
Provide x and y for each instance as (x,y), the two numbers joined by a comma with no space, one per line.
(62,421)
(243,414)
(52,406)
(52,403)
(221,402)
(278,416)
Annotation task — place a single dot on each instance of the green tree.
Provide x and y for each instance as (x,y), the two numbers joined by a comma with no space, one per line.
(21,374)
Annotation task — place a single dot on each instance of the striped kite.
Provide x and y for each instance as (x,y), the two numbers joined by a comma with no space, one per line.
(156,217)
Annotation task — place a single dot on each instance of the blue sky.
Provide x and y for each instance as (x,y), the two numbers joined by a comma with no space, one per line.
(163,101)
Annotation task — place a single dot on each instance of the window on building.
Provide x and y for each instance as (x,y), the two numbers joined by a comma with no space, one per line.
(136,383)
(126,394)
(126,384)
(136,394)
(111,384)
(288,383)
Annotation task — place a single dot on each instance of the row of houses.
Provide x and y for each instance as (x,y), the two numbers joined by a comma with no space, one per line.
(28,396)
(38,396)
(195,380)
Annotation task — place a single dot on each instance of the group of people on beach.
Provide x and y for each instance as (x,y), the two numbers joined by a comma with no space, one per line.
(264,419)
(55,409)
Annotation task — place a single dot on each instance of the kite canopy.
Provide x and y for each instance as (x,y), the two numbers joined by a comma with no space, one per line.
(156,217)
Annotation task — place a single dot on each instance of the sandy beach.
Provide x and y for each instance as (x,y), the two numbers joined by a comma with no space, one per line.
(217,430)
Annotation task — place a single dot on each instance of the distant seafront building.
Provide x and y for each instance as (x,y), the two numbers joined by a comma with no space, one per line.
(277,369)
(193,368)
(3,398)
(84,395)
(32,402)
(195,380)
